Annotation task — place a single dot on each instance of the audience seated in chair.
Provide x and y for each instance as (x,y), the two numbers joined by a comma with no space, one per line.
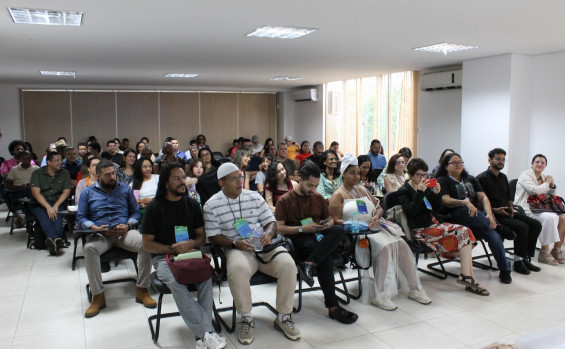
(330,178)
(390,254)
(171,210)
(71,164)
(17,182)
(534,181)
(277,184)
(418,201)
(91,163)
(461,195)
(527,230)
(14,148)
(299,214)
(116,229)
(144,184)
(289,164)
(227,216)
(261,175)
(50,188)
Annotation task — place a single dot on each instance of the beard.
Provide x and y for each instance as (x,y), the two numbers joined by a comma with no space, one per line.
(178,191)
(108,185)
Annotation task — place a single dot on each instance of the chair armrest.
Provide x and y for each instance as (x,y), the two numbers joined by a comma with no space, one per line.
(219,259)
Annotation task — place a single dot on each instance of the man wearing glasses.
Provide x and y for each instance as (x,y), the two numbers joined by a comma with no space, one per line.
(229,217)
(50,188)
(527,230)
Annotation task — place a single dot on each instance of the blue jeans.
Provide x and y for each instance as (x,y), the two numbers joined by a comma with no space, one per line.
(480,227)
(52,229)
(197,314)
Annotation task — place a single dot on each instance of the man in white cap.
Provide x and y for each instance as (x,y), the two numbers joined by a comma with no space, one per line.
(257,147)
(229,217)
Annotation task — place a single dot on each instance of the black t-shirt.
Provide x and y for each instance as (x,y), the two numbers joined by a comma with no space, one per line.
(467,188)
(161,216)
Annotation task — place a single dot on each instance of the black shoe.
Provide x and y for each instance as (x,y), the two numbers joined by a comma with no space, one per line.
(59,243)
(51,246)
(505,277)
(521,268)
(307,273)
(343,315)
(530,266)
(104,267)
(505,232)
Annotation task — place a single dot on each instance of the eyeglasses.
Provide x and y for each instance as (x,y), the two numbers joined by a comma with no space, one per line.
(205,154)
(401,162)
(539,162)
(456,163)
(146,167)
(500,159)
(420,175)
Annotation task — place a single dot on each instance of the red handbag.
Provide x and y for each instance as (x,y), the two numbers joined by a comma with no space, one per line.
(546,203)
(190,271)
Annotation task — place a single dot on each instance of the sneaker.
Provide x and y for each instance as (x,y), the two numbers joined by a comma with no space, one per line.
(547,258)
(246,330)
(213,341)
(505,277)
(200,344)
(385,303)
(556,253)
(287,326)
(521,268)
(51,246)
(530,266)
(419,296)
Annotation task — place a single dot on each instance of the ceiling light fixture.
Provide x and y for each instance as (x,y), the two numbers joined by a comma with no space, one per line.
(45,17)
(281,32)
(58,73)
(286,78)
(180,75)
(445,48)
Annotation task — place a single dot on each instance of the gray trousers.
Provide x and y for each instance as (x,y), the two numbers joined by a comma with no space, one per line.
(197,314)
(97,245)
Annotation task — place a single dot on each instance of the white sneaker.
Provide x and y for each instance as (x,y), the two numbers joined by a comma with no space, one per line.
(419,296)
(213,341)
(200,344)
(385,303)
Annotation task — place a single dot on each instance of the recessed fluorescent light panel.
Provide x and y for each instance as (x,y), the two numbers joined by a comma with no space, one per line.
(281,32)
(58,73)
(46,17)
(445,48)
(286,78)
(180,75)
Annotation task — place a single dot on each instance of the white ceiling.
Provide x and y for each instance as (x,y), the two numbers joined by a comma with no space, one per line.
(136,42)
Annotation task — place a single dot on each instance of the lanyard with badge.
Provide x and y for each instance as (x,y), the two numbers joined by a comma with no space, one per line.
(240,224)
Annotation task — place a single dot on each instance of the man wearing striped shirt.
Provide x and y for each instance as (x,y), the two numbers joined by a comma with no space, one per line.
(228,216)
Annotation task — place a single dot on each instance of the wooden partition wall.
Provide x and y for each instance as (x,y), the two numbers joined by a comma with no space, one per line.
(76,115)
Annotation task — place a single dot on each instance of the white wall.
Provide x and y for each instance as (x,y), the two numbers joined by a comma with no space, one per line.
(10,118)
(439,123)
(485,109)
(304,120)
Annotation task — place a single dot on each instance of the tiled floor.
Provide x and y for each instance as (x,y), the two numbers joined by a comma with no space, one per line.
(42,302)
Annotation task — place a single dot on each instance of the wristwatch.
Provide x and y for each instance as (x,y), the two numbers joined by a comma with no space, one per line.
(300,229)
(234,244)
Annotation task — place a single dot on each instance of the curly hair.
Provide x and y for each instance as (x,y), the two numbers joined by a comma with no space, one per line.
(14,144)
(271,178)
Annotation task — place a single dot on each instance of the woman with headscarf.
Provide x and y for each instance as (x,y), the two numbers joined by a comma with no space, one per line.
(391,255)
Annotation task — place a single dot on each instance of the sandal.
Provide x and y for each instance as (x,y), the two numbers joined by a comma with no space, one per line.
(463,281)
(481,291)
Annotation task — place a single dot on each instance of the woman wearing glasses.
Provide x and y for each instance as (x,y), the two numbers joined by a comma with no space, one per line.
(532,182)
(461,195)
(395,176)
(417,196)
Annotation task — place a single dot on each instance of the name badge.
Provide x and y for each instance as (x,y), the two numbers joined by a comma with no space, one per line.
(242,228)
(361,206)
(428,205)
(306,221)
(181,233)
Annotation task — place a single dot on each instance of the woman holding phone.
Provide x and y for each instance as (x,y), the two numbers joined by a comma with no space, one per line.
(417,197)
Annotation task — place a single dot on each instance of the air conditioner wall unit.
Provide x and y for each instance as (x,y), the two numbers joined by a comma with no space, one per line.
(305,94)
(445,80)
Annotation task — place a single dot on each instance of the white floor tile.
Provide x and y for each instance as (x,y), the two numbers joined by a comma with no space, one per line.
(419,335)
(65,339)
